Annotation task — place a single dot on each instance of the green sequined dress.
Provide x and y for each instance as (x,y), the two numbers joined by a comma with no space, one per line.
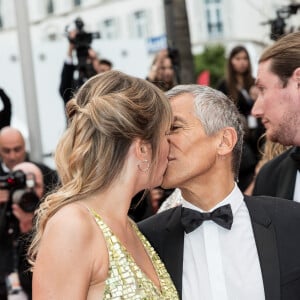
(125,279)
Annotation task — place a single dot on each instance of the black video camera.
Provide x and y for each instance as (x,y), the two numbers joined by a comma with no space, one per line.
(21,190)
(174,55)
(82,43)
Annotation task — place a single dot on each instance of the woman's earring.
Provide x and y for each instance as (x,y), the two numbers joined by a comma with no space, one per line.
(144,166)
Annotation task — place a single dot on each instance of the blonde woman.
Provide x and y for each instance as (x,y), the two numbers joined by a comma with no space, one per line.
(85,246)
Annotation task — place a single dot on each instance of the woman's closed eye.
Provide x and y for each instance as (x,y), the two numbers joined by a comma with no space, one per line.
(175,127)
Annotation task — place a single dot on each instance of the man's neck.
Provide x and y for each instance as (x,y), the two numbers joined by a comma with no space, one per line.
(207,197)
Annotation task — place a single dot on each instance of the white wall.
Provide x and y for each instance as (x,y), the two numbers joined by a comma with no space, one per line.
(241,20)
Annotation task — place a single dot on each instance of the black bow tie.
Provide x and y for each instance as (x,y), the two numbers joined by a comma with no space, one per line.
(191,219)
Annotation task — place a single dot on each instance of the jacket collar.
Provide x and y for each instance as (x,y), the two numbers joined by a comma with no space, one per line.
(265,239)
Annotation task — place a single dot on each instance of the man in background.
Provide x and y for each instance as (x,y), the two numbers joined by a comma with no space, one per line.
(5,113)
(16,221)
(73,76)
(13,152)
(278,106)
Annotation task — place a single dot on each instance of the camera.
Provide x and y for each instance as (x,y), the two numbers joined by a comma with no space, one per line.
(21,190)
(82,42)
(173,54)
(278,25)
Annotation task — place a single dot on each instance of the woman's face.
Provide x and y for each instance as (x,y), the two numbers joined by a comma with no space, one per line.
(167,71)
(240,62)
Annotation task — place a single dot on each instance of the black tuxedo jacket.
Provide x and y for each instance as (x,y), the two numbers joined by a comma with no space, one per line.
(277,177)
(276,225)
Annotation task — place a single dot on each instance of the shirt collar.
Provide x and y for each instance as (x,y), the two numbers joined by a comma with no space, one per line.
(5,168)
(235,199)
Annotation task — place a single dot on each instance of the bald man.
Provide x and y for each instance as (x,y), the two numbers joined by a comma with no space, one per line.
(20,224)
(12,148)
(13,152)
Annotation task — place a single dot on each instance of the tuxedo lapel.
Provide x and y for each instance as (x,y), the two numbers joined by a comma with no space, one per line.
(173,248)
(264,235)
(287,179)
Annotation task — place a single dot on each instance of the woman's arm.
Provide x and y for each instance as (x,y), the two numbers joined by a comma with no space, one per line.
(65,265)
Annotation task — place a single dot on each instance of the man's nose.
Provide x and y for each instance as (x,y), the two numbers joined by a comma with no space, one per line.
(257,109)
(12,155)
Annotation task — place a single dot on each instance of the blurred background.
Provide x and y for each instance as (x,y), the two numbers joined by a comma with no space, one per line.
(199,33)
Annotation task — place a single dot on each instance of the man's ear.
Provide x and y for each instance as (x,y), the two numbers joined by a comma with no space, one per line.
(296,75)
(227,140)
(142,149)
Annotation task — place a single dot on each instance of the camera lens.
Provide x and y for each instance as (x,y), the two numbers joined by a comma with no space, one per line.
(26,199)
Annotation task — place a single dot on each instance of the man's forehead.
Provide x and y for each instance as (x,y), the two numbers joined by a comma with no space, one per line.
(183,107)
(182,101)
(263,67)
(11,144)
(265,76)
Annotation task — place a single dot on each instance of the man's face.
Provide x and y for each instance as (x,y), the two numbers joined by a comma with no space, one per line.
(277,106)
(12,149)
(192,153)
(103,68)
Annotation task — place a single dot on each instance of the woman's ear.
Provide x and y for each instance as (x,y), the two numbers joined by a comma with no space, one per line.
(142,149)
(228,139)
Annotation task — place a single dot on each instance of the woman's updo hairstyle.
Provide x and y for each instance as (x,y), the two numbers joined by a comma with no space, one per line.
(109,111)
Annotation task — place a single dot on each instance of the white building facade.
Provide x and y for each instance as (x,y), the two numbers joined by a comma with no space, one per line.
(131,31)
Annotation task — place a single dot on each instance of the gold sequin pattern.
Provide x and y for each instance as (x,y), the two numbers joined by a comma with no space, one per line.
(125,278)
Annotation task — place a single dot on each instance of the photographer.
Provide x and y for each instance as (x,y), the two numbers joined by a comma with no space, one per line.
(162,72)
(24,190)
(5,113)
(88,63)
(13,152)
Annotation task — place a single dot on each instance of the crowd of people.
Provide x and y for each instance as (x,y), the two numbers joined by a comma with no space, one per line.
(172,191)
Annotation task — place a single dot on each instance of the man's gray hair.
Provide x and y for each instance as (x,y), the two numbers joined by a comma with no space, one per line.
(215,111)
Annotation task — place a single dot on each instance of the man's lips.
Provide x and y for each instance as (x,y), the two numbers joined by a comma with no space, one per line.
(264,121)
(170,158)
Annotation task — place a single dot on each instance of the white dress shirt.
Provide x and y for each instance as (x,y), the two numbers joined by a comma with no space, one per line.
(5,168)
(297,188)
(221,264)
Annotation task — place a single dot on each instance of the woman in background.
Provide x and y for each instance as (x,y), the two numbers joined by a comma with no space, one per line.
(238,79)
(162,72)
(238,84)
(85,246)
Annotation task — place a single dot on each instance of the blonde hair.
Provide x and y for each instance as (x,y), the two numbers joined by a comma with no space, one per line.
(109,111)
(270,150)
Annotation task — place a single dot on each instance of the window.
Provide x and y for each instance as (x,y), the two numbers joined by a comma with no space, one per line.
(214,18)
(140,28)
(109,29)
(50,7)
(1,21)
(77,2)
